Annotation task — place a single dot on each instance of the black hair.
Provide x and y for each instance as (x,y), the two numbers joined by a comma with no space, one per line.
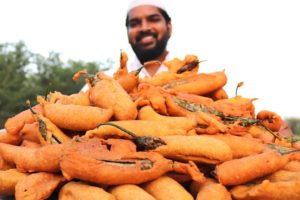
(162,12)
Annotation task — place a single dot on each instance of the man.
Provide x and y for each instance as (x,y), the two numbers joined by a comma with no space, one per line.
(149,29)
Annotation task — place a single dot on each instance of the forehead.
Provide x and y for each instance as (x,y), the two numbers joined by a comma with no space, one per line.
(143,11)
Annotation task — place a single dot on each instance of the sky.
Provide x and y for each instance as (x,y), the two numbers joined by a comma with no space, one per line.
(254,41)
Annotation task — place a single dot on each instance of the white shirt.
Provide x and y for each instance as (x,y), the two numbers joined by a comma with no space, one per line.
(134,64)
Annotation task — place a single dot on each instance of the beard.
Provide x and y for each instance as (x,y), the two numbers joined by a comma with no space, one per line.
(145,54)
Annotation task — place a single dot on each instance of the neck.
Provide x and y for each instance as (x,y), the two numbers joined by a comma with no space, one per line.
(162,56)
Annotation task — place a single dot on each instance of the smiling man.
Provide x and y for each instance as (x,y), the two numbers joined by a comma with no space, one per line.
(149,29)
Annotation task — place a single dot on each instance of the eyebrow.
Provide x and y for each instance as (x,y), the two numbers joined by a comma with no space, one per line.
(147,17)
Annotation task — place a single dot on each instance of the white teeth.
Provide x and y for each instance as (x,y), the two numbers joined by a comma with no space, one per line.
(147,39)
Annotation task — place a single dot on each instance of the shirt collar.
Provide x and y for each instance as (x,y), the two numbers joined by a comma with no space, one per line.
(135,64)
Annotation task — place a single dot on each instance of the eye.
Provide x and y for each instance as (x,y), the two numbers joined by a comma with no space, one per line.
(154,18)
(133,23)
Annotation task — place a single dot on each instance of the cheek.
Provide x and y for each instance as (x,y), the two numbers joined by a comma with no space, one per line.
(162,32)
(131,36)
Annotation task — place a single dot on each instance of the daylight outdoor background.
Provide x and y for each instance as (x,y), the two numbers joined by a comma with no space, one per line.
(257,42)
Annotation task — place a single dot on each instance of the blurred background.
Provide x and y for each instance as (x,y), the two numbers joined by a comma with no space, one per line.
(43,43)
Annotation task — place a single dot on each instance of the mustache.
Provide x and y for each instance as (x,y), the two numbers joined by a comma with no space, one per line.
(144,34)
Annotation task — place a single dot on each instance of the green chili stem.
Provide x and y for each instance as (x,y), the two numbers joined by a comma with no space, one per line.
(282,150)
(200,107)
(30,108)
(270,131)
(119,127)
(43,126)
(293,139)
(188,67)
(139,70)
(142,142)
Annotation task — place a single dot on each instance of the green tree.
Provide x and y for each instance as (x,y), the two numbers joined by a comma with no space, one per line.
(13,60)
(54,75)
(294,124)
(18,84)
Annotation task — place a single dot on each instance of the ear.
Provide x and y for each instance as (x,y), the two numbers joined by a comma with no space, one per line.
(169,28)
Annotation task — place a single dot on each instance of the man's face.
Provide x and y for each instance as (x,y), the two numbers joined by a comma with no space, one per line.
(148,32)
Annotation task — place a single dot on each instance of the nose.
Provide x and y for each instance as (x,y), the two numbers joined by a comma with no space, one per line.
(145,26)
